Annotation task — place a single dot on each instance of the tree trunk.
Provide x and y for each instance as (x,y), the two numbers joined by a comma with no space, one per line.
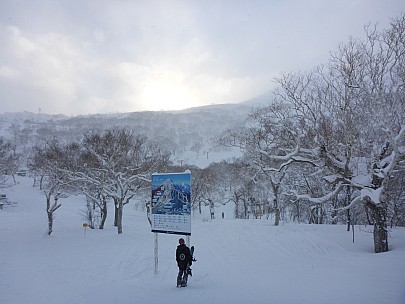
(379,215)
(90,212)
(348,199)
(212,208)
(277,213)
(50,210)
(119,224)
(115,213)
(40,182)
(119,205)
(49,213)
(103,213)
(50,222)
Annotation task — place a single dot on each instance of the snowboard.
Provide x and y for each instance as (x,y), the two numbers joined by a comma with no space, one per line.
(192,253)
(192,259)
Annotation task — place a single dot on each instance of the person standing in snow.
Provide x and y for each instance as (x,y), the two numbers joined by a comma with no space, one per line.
(184,259)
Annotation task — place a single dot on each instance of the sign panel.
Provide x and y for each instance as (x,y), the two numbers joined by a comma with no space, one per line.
(171,203)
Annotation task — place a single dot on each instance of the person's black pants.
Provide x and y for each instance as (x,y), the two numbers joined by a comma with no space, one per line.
(182,277)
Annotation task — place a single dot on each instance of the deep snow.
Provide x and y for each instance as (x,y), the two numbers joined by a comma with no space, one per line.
(239,261)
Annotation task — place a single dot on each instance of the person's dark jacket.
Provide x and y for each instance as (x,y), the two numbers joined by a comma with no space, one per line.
(183,256)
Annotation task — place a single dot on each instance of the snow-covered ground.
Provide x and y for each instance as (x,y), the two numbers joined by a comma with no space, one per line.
(239,261)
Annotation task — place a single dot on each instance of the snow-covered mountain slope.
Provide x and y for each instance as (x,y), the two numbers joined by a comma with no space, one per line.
(188,134)
(238,261)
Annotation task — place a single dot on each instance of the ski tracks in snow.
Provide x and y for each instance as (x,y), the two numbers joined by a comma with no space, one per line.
(262,256)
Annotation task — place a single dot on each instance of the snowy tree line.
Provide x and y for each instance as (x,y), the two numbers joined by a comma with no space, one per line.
(333,138)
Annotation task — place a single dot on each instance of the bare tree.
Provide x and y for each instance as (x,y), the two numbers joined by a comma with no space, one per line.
(270,144)
(8,161)
(211,187)
(51,161)
(118,163)
(351,113)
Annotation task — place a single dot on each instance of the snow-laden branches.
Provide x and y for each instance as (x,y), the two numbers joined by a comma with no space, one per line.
(335,134)
(118,163)
(318,200)
(115,164)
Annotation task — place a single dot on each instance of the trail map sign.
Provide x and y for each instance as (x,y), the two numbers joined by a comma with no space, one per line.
(171,203)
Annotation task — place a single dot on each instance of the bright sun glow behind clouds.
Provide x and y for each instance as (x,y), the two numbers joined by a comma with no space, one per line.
(154,88)
(167,90)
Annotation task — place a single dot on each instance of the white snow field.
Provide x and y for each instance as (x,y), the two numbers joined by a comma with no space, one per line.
(239,261)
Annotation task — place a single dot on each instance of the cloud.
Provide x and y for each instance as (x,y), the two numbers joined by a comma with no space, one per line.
(46,67)
(7,72)
(80,57)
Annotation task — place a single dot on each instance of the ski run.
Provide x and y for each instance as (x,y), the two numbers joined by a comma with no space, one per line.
(238,261)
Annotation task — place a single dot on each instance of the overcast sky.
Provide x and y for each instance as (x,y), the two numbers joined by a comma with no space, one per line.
(82,57)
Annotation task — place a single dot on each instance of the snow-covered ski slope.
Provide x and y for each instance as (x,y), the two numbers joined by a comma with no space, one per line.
(239,261)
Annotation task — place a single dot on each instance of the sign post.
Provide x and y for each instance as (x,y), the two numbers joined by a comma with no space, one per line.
(85,225)
(171,206)
(156,253)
